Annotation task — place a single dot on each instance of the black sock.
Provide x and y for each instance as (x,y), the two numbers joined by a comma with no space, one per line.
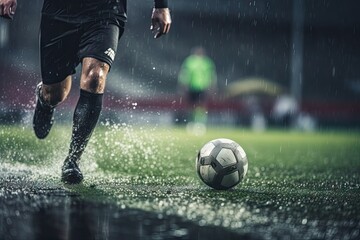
(86,115)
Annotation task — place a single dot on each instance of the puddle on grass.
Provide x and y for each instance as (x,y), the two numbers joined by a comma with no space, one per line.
(33,209)
(70,217)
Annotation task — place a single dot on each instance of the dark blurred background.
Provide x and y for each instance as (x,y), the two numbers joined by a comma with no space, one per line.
(309,48)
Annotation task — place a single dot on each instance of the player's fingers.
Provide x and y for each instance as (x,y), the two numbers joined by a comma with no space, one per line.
(154,28)
(13,8)
(6,12)
(158,34)
(162,29)
(167,24)
(153,23)
(167,28)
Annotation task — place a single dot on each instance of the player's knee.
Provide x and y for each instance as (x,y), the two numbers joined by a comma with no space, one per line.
(93,79)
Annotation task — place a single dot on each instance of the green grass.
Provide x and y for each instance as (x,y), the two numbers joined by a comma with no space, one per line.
(309,182)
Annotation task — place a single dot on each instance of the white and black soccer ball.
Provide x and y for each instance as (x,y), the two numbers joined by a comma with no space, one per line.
(221,164)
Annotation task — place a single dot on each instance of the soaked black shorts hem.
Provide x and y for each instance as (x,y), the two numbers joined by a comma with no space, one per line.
(196,96)
(97,57)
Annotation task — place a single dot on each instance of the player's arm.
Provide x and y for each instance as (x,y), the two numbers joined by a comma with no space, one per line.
(7,8)
(160,19)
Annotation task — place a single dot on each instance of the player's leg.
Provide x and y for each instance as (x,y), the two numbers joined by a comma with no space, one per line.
(88,108)
(48,97)
(198,118)
(200,115)
(86,115)
(87,111)
(58,54)
(98,46)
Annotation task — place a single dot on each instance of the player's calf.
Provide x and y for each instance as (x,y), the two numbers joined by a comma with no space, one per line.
(43,115)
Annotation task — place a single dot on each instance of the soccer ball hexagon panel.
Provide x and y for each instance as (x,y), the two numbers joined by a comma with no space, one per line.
(221,163)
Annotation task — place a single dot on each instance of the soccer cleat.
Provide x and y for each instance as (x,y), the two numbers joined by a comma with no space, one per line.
(43,116)
(71,173)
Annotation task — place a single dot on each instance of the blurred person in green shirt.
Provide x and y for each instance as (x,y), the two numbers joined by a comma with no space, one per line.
(197,78)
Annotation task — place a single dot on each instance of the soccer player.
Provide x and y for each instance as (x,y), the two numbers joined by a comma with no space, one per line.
(197,76)
(74,32)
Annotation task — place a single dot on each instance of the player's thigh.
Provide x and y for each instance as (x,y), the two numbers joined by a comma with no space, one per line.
(100,40)
(98,46)
(59,43)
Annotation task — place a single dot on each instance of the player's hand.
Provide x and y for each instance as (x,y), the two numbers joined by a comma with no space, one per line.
(7,8)
(160,21)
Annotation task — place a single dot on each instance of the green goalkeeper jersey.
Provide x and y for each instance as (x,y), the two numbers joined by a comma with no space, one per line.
(197,72)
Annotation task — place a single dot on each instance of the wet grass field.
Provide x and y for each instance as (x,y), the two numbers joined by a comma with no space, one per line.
(298,186)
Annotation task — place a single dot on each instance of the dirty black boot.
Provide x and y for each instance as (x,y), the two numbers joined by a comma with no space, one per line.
(71,173)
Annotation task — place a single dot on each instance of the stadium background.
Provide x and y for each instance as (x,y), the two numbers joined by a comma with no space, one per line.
(245,39)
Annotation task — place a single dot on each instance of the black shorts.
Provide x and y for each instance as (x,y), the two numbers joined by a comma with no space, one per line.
(196,96)
(70,32)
